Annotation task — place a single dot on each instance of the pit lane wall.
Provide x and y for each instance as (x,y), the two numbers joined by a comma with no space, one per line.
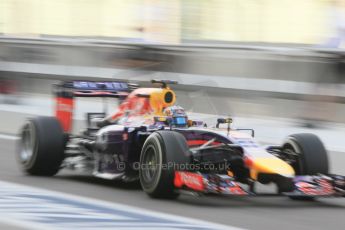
(289,82)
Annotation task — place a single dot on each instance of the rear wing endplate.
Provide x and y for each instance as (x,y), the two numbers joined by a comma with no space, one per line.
(67,91)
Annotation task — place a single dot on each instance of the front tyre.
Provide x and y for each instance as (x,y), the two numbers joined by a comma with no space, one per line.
(41,146)
(162,152)
(310,156)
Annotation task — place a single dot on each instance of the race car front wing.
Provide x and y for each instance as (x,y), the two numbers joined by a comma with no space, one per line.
(305,186)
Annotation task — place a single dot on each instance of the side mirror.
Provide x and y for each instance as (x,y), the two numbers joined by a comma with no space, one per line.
(223,121)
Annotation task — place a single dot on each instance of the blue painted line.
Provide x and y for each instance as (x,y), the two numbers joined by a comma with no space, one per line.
(96,208)
(34,208)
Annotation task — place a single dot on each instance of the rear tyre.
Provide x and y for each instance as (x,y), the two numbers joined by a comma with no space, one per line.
(41,146)
(311,156)
(162,151)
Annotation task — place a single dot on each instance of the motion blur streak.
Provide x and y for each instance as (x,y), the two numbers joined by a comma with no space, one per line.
(274,66)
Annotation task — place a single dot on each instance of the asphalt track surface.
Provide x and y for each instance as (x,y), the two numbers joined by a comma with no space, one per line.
(246,212)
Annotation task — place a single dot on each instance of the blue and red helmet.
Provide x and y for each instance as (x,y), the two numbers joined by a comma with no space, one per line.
(177,115)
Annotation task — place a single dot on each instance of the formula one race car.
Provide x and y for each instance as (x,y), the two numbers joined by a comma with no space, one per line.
(150,139)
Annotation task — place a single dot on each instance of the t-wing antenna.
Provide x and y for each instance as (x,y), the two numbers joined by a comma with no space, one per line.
(164,83)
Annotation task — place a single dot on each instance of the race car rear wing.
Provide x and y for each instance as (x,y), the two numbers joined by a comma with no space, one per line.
(94,89)
(67,91)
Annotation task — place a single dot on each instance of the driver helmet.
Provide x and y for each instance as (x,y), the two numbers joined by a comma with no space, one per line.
(177,115)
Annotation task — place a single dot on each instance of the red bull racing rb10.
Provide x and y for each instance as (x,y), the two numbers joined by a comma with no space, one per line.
(151,139)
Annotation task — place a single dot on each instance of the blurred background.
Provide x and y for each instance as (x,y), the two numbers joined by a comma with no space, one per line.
(174,21)
(261,61)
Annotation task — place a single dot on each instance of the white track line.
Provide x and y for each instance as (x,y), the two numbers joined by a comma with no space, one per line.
(57,211)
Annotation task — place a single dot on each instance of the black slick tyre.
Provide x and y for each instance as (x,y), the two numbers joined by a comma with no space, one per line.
(162,152)
(311,156)
(40,150)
